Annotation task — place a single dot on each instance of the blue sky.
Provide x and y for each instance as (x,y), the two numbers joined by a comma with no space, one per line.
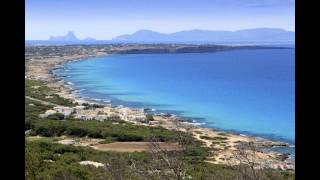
(105,19)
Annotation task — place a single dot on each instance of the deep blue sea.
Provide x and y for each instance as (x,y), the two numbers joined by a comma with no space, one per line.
(247,91)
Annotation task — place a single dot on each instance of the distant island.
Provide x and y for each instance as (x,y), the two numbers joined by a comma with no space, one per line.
(245,35)
(69,37)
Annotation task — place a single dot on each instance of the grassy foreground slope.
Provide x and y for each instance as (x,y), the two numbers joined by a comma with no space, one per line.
(47,160)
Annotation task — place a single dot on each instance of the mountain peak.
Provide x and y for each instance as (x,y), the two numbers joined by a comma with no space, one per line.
(144,31)
(141,34)
(71,33)
(70,36)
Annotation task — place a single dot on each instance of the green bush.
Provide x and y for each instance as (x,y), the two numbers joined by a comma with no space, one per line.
(127,137)
(56,116)
(217,138)
(107,140)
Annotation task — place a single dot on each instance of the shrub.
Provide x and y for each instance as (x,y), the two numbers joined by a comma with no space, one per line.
(107,140)
(125,137)
(56,116)
(95,134)
(217,138)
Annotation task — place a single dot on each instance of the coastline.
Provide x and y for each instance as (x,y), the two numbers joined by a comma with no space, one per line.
(172,122)
(104,96)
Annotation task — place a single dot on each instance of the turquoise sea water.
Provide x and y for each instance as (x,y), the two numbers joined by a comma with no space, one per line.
(248,91)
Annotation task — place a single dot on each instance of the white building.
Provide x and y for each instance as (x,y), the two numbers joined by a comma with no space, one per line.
(130,114)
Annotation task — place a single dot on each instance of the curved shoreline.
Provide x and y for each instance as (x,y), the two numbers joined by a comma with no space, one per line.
(196,120)
(66,91)
(186,119)
(75,97)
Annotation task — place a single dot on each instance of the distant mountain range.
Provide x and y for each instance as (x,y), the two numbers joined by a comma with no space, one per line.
(245,35)
(69,37)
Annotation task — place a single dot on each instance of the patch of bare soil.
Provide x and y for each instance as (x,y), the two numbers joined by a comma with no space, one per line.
(135,146)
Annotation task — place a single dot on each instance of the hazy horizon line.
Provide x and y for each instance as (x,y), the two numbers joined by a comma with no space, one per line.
(146,29)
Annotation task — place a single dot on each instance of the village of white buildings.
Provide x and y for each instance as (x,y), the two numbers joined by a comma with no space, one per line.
(101,113)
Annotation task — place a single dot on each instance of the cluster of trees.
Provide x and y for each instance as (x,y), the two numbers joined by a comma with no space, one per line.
(92,106)
(56,116)
(97,129)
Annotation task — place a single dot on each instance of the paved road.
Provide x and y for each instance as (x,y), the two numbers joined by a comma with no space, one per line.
(41,101)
